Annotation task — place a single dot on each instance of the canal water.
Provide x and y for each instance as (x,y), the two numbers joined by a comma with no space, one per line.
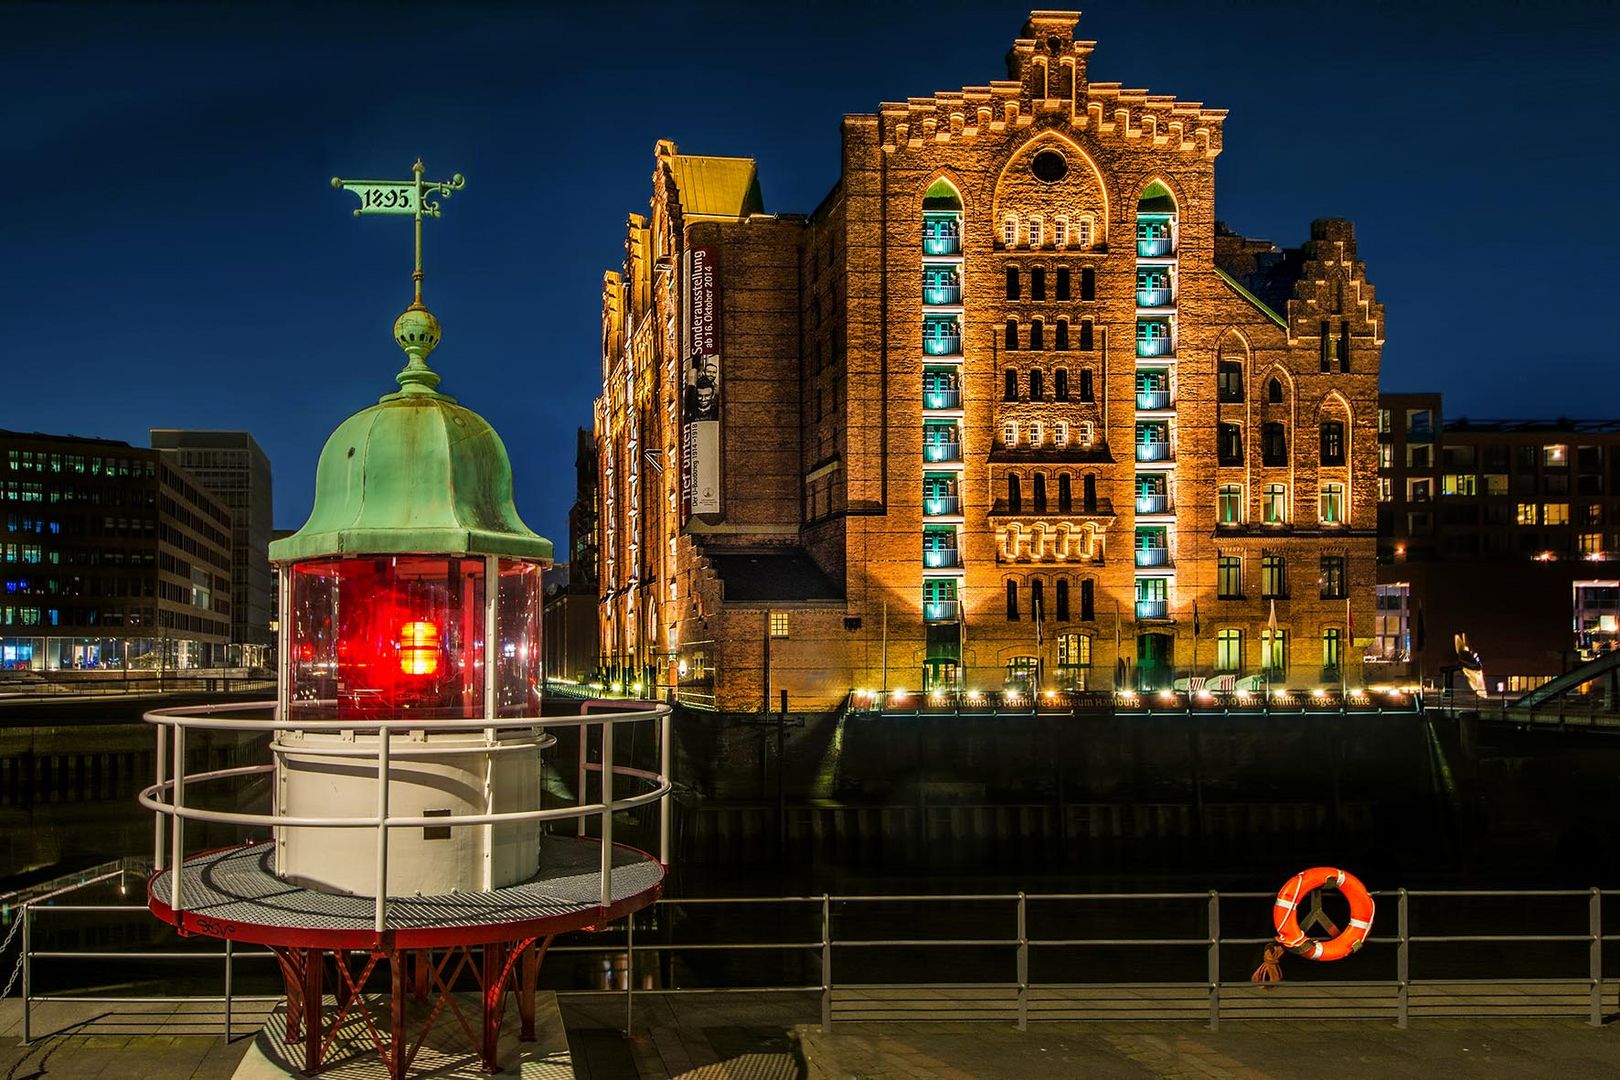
(941,806)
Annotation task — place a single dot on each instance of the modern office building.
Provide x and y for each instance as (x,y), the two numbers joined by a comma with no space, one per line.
(113,556)
(1010,408)
(1506,531)
(232,467)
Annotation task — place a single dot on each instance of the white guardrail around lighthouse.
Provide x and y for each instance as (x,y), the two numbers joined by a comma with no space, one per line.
(167,796)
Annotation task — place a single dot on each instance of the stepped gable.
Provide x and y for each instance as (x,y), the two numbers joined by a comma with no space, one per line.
(1047,83)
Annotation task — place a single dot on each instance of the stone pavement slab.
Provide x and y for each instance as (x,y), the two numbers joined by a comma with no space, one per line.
(1261,1050)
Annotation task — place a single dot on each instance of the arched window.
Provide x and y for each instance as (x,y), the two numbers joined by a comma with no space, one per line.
(1037,600)
(1013,289)
(1088,591)
(1011,344)
(1086,391)
(1060,336)
(1009,230)
(1037,386)
(1062,599)
(1229,381)
(1010,391)
(1012,600)
(1274,393)
(1088,283)
(1088,492)
(1015,494)
(1040,493)
(1036,342)
(1060,377)
(1085,335)
(1065,493)
(1037,283)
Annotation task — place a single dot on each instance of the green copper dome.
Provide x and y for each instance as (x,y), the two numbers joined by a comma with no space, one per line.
(415,473)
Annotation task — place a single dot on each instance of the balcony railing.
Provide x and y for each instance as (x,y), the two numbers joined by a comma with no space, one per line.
(939,610)
(942,451)
(1153,556)
(942,294)
(1154,297)
(942,242)
(1153,399)
(1155,346)
(1153,504)
(942,505)
(942,344)
(1152,609)
(941,558)
(942,399)
(1153,451)
(1155,247)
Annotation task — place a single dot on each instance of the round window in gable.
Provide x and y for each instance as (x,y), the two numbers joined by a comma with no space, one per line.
(1049,166)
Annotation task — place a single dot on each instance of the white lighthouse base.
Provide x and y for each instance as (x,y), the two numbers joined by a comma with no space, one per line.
(444,1056)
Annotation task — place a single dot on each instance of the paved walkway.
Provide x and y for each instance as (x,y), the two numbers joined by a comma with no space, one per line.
(759,1037)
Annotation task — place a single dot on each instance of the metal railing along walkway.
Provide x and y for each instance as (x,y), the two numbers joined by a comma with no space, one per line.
(1020,958)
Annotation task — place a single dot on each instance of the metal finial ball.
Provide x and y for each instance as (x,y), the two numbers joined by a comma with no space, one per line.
(337,183)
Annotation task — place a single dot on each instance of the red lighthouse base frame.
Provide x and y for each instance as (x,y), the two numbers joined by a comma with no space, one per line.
(425,975)
(500,937)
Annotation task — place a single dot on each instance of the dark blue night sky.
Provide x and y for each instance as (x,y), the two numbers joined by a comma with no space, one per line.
(171,254)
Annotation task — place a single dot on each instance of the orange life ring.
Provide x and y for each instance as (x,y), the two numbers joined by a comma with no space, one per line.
(1285,916)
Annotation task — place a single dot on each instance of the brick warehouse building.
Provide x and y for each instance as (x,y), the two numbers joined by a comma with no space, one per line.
(1009,408)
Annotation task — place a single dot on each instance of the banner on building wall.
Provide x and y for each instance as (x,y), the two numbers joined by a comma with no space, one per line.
(700,391)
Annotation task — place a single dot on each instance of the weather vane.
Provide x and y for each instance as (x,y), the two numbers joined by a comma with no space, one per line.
(405,197)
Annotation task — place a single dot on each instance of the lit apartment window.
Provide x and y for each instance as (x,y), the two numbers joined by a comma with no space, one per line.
(1229,651)
(1035,231)
(1229,577)
(1274,504)
(1591,543)
(1527,514)
(1331,640)
(1383,421)
(779,624)
(1060,232)
(1418,489)
(1332,504)
(1009,433)
(1074,650)
(1555,456)
(1229,504)
(1332,578)
(1009,230)
(1386,489)
(1496,484)
(1273,577)
(1459,484)
(1555,513)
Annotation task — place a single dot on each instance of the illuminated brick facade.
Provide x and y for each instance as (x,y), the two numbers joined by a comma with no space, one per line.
(1009,396)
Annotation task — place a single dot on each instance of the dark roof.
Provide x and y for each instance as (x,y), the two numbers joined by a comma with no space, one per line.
(774,574)
(1550,426)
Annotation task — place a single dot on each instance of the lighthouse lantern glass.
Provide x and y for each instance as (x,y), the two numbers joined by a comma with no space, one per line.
(403,635)
(390,635)
(518,673)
